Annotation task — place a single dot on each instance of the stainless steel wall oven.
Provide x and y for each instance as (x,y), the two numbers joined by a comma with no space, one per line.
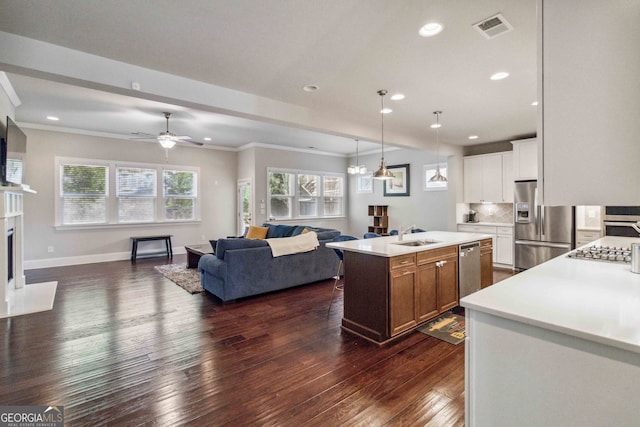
(618,220)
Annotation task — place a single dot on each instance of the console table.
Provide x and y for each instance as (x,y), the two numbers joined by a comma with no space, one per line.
(165,237)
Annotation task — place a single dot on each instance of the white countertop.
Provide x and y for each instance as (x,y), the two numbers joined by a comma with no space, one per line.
(594,300)
(493,224)
(385,247)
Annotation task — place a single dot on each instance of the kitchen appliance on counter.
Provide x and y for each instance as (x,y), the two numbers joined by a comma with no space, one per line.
(471,216)
(468,268)
(619,220)
(540,232)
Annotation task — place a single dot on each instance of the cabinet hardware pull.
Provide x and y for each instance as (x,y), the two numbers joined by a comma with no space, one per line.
(407,272)
(404,262)
(443,262)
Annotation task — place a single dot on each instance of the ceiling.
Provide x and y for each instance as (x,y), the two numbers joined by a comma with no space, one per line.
(271,49)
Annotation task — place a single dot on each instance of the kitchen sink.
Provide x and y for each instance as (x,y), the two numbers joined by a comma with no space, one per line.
(416,242)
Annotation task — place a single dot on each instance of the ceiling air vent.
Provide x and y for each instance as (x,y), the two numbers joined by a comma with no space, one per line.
(493,26)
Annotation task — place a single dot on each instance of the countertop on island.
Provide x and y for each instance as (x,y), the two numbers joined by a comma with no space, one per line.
(387,246)
(592,300)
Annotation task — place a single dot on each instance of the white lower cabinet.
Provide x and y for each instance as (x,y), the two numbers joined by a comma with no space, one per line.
(501,236)
(504,247)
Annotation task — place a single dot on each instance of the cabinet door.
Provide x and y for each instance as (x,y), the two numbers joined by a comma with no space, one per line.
(426,292)
(507,178)
(486,267)
(447,284)
(504,249)
(402,300)
(472,179)
(525,159)
(492,178)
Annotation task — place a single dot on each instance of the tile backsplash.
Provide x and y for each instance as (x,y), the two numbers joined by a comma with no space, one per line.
(494,212)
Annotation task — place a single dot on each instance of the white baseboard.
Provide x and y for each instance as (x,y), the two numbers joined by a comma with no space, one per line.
(86,259)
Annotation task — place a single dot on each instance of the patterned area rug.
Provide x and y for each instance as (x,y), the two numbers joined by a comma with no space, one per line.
(187,278)
(448,327)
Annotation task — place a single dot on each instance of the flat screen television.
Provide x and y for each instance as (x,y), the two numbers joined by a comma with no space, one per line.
(13,148)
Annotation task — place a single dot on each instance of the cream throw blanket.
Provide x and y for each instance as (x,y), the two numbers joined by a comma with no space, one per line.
(292,245)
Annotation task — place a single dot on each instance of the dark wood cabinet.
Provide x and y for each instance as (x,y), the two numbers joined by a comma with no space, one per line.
(385,297)
(486,263)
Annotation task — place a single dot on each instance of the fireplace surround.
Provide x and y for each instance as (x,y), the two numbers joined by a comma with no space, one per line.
(16,298)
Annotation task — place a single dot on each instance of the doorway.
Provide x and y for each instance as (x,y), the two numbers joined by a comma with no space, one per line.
(245,205)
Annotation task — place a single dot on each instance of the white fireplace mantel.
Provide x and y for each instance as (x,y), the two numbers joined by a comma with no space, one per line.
(15,298)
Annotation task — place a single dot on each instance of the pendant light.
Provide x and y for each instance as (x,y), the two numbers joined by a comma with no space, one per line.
(382,172)
(358,169)
(438,177)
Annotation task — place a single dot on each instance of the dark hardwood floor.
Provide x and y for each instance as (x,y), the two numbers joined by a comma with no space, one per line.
(125,346)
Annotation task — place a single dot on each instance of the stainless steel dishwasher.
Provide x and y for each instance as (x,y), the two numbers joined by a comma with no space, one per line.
(469,268)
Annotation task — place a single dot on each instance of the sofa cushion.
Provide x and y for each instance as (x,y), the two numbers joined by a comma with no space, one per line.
(256,232)
(230,244)
(279,230)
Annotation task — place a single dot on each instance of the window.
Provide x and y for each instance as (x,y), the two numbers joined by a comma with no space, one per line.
(92,192)
(136,193)
(281,194)
(428,172)
(84,194)
(179,194)
(304,194)
(15,170)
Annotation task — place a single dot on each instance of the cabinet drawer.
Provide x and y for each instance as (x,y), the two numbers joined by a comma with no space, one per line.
(505,230)
(436,254)
(486,243)
(402,261)
(587,235)
(484,229)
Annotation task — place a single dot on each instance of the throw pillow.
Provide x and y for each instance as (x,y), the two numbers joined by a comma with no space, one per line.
(256,232)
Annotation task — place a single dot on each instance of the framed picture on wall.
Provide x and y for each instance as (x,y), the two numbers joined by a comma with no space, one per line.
(399,184)
(364,183)
(428,172)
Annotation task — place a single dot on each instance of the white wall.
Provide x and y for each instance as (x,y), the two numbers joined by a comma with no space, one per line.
(429,210)
(217,190)
(6,109)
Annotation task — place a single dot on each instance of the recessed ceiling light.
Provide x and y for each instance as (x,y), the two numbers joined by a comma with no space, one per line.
(53,118)
(534,103)
(397,96)
(311,88)
(386,110)
(473,136)
(499,76)
(206,138)
(430,29)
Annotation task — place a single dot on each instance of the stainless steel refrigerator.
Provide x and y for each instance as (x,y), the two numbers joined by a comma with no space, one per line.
(541,232)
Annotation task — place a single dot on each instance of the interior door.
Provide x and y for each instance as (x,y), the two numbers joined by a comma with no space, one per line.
(245,205)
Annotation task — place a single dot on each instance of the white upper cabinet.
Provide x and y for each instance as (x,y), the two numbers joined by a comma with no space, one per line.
(507,177)
(589,119)
(525,159)
(484,178)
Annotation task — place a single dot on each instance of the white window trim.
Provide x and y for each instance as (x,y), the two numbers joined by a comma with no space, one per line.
(432,167)
(112,206)
(296,197)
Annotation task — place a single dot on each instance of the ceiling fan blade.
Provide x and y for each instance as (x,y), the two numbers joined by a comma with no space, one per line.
(143,134)
(182,137)
(199,144)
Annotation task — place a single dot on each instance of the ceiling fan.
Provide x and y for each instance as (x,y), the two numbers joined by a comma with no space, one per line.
(167,139)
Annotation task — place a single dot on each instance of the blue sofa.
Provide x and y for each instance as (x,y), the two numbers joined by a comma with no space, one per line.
(244,267)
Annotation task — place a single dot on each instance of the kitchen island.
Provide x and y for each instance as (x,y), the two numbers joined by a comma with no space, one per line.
(556,345)
(394,284)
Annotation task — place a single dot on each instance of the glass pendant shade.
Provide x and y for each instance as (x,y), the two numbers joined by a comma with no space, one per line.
(382,172)
(357,169)
(438,177)
(166,141)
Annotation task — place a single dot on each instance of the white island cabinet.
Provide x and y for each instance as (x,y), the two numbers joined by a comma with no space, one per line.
(556,345)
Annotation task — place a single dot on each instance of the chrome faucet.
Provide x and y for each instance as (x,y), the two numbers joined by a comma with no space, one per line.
(402,232)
